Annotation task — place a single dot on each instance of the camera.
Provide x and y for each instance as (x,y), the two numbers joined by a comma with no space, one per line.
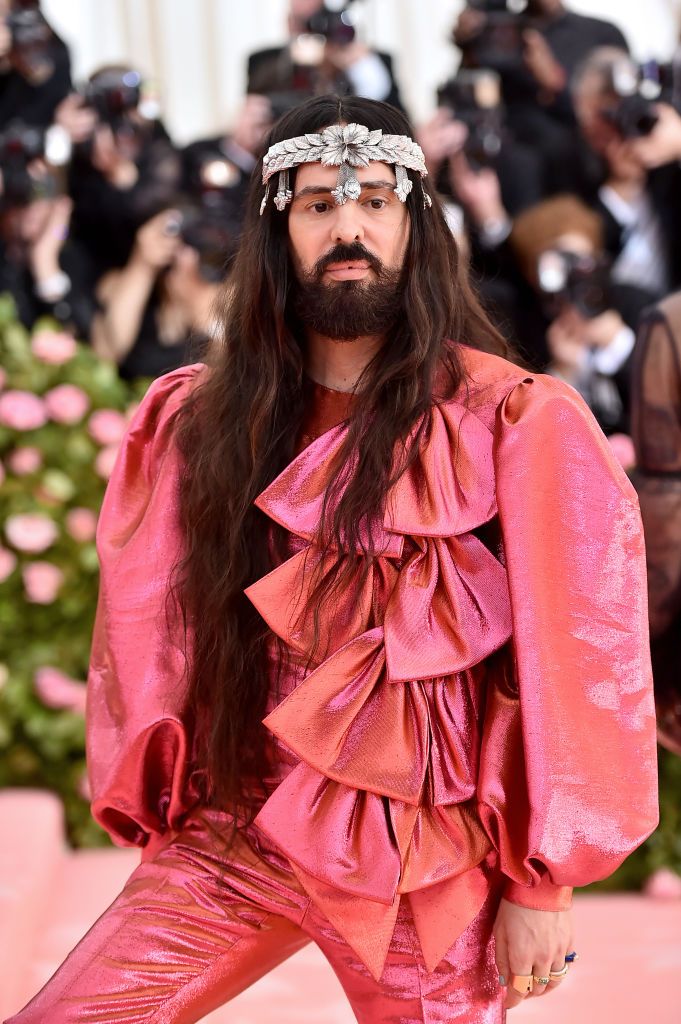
(636,89)
(632,113)
(499,44)
(208,213)
(474,97)
(578,280)
(30,49)
(113,94)
(20,145)
(213,237)
(333,22)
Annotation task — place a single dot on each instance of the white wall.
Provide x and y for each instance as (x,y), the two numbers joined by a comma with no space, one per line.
(195,49)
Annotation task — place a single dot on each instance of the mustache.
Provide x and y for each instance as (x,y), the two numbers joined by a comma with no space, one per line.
(342,252)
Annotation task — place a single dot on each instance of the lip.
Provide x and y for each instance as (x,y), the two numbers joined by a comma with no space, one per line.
(348,270)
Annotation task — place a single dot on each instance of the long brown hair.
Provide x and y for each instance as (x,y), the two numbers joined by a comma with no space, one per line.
(238,429)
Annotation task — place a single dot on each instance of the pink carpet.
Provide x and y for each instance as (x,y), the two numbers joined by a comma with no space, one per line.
(629,970)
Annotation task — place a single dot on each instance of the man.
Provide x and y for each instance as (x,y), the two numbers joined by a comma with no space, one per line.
(449,746)
(46,272)
(124,165)
(345,64)
(218,169)
(536,71)
(634,187)
(35,65)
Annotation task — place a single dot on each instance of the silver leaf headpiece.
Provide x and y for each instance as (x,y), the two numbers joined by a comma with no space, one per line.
(348,147)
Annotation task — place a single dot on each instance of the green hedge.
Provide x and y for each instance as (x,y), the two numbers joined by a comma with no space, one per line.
(44,644)
(41,721)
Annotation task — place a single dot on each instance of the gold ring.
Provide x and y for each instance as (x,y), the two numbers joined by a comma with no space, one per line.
(561,973)
(541,981)
(522,983)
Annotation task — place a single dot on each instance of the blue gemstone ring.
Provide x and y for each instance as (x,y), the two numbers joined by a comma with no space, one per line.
(571,957)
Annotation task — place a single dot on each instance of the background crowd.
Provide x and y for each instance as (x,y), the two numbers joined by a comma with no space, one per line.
(558,159)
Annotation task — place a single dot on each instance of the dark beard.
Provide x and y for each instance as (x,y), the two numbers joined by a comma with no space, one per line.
(345,310)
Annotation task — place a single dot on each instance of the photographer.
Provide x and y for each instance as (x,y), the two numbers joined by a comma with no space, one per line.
(535,49)
(35,67)
(323,55)
(636,180)
(123,163)
(157,311)
(573,308)
(221,166)
(41,266)
(483,181)
(470,120)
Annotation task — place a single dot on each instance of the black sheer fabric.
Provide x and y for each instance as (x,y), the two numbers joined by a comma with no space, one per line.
(656,421)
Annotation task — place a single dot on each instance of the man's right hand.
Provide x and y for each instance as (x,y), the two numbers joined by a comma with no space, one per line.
(663,144)
(469,24)
(157,241)
(77,119)
(440,137)
(478,191)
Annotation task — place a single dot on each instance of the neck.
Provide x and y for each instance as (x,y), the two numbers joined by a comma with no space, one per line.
(339,364)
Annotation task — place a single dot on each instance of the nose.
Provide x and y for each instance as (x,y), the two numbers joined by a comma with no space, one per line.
(347,223)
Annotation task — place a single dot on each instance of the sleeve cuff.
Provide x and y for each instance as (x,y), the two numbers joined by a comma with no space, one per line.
(543,896)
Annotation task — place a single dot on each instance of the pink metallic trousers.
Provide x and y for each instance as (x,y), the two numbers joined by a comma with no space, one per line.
(193,928)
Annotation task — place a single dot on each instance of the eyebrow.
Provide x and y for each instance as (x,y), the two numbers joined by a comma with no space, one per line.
(318,190)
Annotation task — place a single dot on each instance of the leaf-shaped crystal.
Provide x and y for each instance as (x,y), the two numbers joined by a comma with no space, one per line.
(355,134)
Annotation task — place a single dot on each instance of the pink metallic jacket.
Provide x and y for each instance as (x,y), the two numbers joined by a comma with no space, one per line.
(434,753)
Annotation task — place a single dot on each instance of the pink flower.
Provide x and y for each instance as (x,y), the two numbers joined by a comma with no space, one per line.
(53,347)
(42,581)
(83,787)
(663,884)
(22,410)
(8,563)
(32,532)
(66,403)
(623,449)
(26,460)
(81,524)
(107,426)
(57,690)
(105,460)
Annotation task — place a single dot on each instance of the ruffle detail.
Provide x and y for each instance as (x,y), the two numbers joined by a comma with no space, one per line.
(386,725)
(449,489)
(295,499)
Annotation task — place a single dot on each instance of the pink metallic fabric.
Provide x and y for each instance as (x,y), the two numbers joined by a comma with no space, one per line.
(482,718)
(192,929)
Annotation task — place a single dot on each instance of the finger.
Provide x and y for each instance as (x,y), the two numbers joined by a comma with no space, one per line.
(557,965)
(517,971)
(513,995)
(540,974)
(501,959)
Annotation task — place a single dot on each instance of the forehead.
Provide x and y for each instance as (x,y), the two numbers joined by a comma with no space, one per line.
(309,175)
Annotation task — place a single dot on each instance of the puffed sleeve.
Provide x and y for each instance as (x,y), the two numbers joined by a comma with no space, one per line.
(137,742)
(568,776)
